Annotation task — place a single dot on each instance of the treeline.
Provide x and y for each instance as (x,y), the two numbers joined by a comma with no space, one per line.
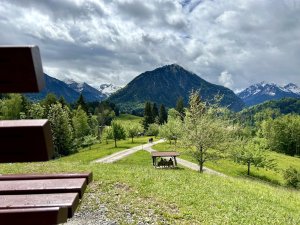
(73,126)
(210,132)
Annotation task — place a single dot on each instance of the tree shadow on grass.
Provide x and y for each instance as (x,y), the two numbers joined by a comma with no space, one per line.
(260,178)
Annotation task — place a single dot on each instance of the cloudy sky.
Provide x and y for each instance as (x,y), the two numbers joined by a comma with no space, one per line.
(234,43)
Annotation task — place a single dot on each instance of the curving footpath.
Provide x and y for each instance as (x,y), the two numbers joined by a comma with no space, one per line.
(147,147)
(119,155)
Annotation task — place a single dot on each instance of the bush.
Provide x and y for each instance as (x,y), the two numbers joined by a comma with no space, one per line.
(292,177)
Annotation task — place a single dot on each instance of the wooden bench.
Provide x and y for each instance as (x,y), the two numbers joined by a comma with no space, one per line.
(32,199)
(170,154)
(45,216)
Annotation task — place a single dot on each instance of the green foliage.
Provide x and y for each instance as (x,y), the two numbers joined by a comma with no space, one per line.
(93,124)
(107,134)
(180,107)
(11,107)
(153,129)
(88,141)
(62,131)
(80,123)
(172,129)
(163,115)
(105,113)
(203,132)
(81,102)
(148,116)
(292,177)
(118,132)
(49,100)
(155,115)
(283,134)
(251,153)
(36,111)
(133,130)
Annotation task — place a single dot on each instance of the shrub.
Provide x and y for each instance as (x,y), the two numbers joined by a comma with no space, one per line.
(292,177)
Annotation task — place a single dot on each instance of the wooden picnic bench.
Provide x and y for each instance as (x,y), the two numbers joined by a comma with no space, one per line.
(32,199)
(164,163)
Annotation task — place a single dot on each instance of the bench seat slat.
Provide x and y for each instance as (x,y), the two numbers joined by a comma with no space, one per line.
(88,176)
(65,200)
(77,185)
(34,216)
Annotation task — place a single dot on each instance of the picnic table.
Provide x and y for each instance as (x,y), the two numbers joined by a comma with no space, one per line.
(32,199)
(163,162)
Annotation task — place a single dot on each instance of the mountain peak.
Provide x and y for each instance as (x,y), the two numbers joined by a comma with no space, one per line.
(164,85)
(263,91)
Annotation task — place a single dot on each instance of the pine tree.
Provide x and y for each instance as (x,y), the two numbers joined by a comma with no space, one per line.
(180,107)
(163,115)
(154,112)
(81,102)
(148,116)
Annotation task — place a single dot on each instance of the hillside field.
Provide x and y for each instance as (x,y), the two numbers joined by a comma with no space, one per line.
(133,191)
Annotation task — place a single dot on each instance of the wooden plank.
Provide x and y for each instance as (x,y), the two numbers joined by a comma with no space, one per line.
(164,154)
(34,216)
(13,187)
(21,69)
(88,176)
(25,141)
(65,200)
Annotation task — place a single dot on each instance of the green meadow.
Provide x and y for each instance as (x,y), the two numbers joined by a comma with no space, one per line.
(133,187)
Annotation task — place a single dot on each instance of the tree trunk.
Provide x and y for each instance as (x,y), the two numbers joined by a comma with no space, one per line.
(115,143)
(201,160)
(131,139)
(248,168)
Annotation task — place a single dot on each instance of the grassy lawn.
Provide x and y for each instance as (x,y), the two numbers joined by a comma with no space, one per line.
(228,167)
(127,119)
(97,151)
(133,191)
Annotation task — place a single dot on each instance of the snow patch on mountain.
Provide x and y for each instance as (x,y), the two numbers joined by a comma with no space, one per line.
(264,91)
(108,89)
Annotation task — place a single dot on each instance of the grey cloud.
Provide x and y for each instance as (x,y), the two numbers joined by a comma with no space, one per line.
(113,41)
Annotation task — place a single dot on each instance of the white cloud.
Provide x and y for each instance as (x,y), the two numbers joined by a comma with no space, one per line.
(114,41)
(225,79)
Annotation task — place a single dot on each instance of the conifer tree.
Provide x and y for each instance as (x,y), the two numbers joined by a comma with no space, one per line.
(148,116)
(180,107)
(154,112)
(81,102)
(163,115)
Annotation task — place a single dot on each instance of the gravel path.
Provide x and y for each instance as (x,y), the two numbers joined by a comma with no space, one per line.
(119,155)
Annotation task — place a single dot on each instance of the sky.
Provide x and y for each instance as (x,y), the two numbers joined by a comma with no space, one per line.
(234,43)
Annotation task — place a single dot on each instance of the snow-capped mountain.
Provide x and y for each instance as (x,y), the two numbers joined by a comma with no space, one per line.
(263,91)
(89,93)
(108,89)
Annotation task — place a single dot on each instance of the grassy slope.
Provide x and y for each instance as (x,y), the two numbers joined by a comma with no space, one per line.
(127,119)
(228,167)
(133,187)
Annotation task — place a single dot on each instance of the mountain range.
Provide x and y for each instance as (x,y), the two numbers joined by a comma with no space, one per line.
(69,89)
(262,92)
(165,85)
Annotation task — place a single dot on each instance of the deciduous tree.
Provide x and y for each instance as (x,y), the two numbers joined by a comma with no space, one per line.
(203,132)
(62,130)
(118,132)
